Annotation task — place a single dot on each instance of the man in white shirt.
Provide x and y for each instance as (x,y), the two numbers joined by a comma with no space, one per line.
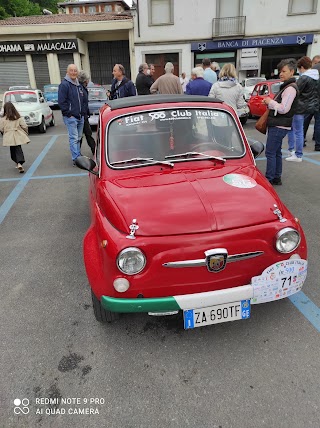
(184,81)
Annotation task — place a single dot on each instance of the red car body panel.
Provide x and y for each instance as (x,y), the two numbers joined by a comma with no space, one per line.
(182,212)
(269,88)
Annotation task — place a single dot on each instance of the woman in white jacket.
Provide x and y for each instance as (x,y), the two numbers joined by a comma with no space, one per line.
(228,89)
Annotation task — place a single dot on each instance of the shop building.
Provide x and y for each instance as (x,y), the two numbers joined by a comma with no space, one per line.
(254,36)
(36,50)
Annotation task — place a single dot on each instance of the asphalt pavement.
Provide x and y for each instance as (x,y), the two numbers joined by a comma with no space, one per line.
(61,368)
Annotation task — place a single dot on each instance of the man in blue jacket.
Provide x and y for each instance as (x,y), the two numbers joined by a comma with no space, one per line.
(72,105)
(121,86)
(198,86)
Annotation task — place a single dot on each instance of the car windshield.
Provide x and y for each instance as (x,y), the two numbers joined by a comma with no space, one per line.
(254,81)
(21,97)
(275,87)
(50,89)
(177,135)
(96,94)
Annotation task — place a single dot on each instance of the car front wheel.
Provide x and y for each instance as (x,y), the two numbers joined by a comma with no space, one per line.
(52,122)
(100,313)
(43,126)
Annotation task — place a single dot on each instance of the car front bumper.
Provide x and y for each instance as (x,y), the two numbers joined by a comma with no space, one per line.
(278,281)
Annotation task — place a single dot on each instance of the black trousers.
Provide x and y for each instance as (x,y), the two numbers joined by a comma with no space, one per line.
(17,154)
(88,134)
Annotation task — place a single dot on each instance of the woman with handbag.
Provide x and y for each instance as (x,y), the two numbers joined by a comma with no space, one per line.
(279,121)
(15,133)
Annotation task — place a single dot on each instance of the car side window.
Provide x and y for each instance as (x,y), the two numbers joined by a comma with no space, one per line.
(255,91)
(264,90)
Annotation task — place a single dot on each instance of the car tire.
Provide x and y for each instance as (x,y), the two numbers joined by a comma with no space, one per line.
(100,313)
(243,120)
(43,126)
(52,122)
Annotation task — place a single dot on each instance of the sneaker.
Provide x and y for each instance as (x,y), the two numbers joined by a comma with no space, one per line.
(20,168)
(276,181)
(291,153)
(293,158)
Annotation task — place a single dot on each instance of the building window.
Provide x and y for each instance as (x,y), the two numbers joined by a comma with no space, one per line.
(118,8)
(160,12)
(298,7)
(92,9)
(108,8)
(227,9)
(76,10)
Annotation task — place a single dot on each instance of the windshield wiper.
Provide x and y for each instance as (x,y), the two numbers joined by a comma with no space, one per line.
(142,160)
(191,154)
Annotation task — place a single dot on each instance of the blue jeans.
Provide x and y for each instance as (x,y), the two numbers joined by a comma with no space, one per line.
(75,128)
(295,135)
(273,152)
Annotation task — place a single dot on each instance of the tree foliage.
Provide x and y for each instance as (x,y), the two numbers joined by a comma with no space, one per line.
(10,8)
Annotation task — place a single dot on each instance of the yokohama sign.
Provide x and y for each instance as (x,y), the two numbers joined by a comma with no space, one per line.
(38,46)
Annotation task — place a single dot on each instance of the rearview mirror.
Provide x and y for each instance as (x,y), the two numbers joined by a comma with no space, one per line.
(256,147)
(83,162)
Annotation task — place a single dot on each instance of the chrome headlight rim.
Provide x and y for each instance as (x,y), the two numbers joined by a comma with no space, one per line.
(280,234)
(125,252)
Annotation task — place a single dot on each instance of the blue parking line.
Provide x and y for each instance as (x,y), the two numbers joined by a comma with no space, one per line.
(43,177)
(308,309)
(11,199)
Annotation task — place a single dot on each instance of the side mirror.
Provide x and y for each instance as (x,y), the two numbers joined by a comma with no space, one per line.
(256,147)
(83,162)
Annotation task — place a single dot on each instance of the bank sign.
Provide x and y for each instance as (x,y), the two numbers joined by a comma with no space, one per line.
(38,47)
(260,42)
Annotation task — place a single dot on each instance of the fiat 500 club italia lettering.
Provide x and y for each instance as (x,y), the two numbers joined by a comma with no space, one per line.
(181,218)
(33,107)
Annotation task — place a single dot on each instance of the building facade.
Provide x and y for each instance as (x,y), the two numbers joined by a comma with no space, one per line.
(36,50)
(254,36)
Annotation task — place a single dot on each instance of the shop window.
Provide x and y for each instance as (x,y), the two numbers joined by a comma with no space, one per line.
(108,8)
(76,10)
(298,7)
(92,9)
(160,12)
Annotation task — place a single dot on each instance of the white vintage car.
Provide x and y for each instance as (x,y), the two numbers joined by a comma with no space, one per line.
(32,106)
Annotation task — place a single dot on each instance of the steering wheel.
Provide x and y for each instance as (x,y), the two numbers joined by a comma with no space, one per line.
(203,147)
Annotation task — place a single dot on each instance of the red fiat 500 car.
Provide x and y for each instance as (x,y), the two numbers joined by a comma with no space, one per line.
(181,218)
(269,88)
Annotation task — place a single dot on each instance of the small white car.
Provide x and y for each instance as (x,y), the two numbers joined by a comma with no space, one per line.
(32,106)
(248,85)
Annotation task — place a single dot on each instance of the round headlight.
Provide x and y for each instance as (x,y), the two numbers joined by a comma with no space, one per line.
(288,240)
(32,114)
(131,261)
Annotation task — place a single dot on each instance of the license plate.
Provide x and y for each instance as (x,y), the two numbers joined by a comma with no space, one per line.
(216,314)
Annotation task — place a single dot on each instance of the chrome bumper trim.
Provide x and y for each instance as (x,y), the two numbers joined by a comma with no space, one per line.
(202,262)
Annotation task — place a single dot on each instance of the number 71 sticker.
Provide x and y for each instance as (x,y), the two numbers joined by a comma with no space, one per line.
(279,280)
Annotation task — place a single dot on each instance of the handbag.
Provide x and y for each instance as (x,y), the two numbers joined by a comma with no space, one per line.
(261,124)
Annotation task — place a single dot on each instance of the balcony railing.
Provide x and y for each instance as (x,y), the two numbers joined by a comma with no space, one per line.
(226,27)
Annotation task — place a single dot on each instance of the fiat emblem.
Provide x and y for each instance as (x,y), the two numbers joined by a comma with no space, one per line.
(216,259)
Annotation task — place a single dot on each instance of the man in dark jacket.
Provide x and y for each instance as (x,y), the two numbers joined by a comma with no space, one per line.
(84,80)
(198,86)
(307,103)
(143,80)
(71,103)
(121,86)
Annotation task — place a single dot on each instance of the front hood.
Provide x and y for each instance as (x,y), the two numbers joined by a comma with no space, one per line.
(26,108)
(189,202)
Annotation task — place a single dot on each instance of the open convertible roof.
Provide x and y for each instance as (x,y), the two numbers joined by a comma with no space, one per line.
(141,100)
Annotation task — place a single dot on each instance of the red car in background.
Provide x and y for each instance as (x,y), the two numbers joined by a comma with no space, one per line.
(268,88)
(181,217)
